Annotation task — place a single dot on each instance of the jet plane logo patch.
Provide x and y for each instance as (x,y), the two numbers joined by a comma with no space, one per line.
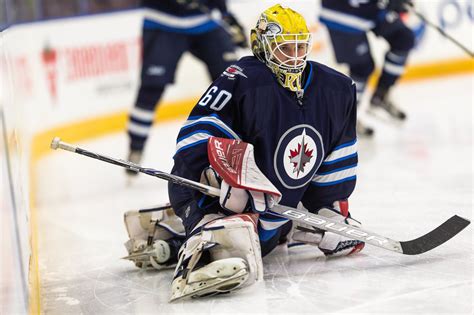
(232,71)
(298,156)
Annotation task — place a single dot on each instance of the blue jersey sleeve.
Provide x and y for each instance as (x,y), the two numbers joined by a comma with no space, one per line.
(215,114)
(336,177)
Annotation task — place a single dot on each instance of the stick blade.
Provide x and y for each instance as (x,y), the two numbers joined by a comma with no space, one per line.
(438,236)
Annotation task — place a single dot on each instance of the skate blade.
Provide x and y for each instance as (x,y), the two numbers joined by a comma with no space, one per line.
(140,256)
(144,258)
(219,287)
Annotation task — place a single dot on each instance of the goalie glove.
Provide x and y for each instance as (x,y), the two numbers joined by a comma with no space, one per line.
(334,244)
(237,200)
(330,244)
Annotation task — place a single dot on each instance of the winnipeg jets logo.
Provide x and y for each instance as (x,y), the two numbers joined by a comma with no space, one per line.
(298,155)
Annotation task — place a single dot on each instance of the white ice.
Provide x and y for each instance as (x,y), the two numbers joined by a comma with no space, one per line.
(411,178)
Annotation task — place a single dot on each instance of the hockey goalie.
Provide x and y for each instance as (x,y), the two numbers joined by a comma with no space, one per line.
(274,128)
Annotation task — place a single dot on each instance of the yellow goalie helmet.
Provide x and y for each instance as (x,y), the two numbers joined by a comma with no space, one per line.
(282,41)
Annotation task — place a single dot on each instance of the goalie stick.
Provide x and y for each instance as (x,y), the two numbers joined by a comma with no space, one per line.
(420,245)
(58,144)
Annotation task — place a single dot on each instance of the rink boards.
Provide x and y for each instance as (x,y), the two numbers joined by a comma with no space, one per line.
(78,77)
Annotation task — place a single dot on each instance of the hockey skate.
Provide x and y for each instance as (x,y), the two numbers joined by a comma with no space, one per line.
(223,257)
(156,235)
(135,156)
(382,107)
(363,130)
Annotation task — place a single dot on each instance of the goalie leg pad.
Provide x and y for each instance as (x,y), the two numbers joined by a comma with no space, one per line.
(222,276)
(154,237)
(222,257)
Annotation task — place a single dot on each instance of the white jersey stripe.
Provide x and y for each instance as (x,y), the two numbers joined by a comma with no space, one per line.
(345,19)
(341,153)
(213,120)
(192,140)
(336,176)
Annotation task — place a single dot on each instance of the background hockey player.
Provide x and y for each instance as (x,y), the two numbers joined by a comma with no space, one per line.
(170,28)
(300,117)
(348,23)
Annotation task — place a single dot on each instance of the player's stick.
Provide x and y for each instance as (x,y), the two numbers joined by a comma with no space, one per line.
(440,30)
(433,239)
(153,209)
(58,144)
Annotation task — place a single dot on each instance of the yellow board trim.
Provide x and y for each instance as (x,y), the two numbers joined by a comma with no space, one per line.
(33,277)
(74,132)
(103,125)
(432,70)
(438,69)
(110,123)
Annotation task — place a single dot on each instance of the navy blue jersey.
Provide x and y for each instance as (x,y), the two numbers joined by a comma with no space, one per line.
(306,147)
(169,15)
(352,15)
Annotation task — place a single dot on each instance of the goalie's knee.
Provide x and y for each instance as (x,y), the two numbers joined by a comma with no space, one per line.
(155,235)
(223,256)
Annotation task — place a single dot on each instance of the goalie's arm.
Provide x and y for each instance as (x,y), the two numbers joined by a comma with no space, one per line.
(335,179)
(213,115)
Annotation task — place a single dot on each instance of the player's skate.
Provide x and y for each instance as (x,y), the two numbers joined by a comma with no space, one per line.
(135,156)
(329,243)
(223,257)
(155,237)
(381,106)
(363,130)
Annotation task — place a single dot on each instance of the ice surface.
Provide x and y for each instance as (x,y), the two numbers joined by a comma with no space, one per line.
(411,178)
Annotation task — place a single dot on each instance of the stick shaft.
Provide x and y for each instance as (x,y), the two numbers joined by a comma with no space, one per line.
(132,166)
(442,32)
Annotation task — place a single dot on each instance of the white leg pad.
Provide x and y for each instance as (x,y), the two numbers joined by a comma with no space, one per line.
(219,276)
(147,232)
(235,258)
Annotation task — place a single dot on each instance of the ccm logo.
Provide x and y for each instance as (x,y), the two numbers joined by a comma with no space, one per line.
(335,227)
(221,156)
